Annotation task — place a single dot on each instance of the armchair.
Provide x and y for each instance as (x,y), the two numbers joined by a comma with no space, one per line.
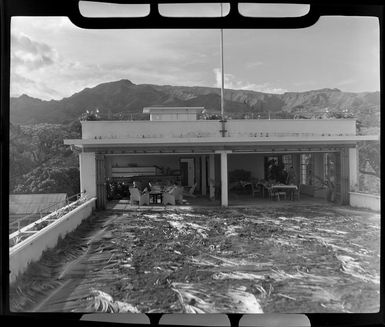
(135,196)
(173,196)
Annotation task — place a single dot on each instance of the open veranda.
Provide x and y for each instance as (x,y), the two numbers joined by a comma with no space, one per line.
(293,257)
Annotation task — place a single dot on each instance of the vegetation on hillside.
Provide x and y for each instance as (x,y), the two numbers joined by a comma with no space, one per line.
(39,162)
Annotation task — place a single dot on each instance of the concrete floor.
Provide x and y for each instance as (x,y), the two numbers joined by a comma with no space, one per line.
(235,200)
(302,256)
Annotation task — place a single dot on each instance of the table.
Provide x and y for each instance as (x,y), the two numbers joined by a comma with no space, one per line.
(263,187)
(156,197)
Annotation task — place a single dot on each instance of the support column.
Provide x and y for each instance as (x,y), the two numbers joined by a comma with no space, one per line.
(224,179)
(101,192)
(197,178)
(344,176)
(203,174)
(87,165)
(212,176)
(353,167)
(224,182)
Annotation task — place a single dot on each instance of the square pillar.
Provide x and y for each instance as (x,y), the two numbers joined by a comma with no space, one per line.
(211,176)
(197,178)
(203,175)
(353,167)
(224,179)
(101,191)
(344,171)
(87,163)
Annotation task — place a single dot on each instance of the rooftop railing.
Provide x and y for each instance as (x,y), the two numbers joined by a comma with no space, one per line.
(216,116)
(20,233)
(256,135)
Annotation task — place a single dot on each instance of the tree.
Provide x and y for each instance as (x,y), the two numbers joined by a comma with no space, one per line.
(369,153)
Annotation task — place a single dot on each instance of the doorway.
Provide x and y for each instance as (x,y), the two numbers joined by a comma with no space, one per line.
(187,171)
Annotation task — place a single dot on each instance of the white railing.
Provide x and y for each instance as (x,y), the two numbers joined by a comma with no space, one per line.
(23,233)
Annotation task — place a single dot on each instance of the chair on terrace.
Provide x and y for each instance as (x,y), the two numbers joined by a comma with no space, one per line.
(173,196)
(276,194)
(135,196)
(256,189)
(190,193)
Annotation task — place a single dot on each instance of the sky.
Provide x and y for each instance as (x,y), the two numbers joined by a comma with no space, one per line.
(51,58)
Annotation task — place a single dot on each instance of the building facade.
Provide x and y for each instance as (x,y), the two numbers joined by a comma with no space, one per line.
(174,144)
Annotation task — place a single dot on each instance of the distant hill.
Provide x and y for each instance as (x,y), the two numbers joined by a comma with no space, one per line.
(123,96)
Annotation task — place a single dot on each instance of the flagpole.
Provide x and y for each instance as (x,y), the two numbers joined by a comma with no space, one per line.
(222,72)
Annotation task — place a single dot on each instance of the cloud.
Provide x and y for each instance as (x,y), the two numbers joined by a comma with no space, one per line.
(151,57)
(29,54)
(70,77)
(232,83)
(21,85)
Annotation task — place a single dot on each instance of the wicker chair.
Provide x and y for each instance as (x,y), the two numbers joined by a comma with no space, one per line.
(135,196)
(173,196)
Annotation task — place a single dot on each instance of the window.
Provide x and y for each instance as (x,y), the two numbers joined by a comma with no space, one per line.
(329,165)
(306,169)
(269,162)
(287,161)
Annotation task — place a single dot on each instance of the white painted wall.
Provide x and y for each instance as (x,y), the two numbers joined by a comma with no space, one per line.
(303,126)
(155,129)
(87,165)
(224,180)
(211,128)
(173,116)
(171,161)
(30,250)
(362,200)
(353,167)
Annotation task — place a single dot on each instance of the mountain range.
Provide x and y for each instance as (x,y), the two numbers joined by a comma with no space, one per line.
(123,96)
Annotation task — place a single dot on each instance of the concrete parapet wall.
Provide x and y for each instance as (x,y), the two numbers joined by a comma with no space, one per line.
(292,126)
(31,249)
(149,129)
(363,200)
(211,128)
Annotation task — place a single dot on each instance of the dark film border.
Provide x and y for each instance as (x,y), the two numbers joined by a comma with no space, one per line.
(234,19)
